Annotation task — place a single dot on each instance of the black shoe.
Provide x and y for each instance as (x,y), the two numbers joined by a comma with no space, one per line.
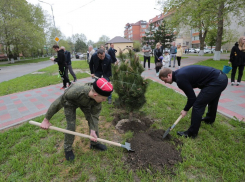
(207,120)
(109,101)
(186,134)
(69,155)
(169,66)
(75,80)
(98,146)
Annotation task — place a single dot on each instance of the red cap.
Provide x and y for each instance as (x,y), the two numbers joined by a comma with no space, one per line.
(103,87)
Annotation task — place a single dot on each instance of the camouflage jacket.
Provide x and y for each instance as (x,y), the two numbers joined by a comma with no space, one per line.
(77,96)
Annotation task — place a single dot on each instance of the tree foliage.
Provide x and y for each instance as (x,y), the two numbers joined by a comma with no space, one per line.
(21,27)
(80,46)
(127,81)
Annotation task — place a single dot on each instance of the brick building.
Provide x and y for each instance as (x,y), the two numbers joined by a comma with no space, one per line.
(135,31)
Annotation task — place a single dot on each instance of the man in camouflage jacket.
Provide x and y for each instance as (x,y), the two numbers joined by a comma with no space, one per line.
(88,98)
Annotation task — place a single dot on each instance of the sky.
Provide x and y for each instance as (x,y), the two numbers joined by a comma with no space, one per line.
(95,18)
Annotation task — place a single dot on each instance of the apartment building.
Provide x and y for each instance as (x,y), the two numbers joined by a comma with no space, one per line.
(135,31)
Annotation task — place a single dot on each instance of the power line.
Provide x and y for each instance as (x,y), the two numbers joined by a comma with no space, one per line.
(78,8)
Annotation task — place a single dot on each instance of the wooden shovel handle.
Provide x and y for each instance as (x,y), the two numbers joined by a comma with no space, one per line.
(76,133)
(93,76)
(176,122)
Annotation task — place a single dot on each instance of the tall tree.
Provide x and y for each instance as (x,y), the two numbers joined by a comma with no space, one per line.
(80,46)
(149,37)
(164,34)
(223,8)
(193,13)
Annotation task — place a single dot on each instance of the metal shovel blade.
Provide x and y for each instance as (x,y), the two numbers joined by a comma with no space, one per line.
(127,146)
(166,132)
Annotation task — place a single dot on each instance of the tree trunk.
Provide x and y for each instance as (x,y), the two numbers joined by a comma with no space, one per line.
(220,32)
(202,39)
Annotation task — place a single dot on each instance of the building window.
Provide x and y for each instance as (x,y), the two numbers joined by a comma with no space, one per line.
(195,38)
(142,34)
(187,43)
(143,26)
(142,30)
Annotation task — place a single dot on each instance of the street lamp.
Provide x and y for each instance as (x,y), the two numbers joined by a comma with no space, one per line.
(52,14)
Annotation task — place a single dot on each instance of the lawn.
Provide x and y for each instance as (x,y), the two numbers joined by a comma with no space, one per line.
(219,65)
(28,153)
(32,81)
(26,61)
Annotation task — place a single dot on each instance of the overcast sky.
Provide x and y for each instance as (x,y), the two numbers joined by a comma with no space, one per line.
(98,17)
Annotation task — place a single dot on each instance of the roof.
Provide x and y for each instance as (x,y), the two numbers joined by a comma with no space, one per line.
(119,39)
(159,17)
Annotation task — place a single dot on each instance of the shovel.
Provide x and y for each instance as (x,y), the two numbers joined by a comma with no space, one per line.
(172,127)
(126,146)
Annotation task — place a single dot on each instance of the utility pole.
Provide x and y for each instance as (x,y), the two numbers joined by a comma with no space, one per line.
(52,15)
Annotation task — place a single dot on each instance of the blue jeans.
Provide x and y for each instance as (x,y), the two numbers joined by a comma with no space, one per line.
(100,74)
(172,55)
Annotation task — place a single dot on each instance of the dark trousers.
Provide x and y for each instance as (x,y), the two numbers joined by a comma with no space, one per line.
(240,73)
(149,61)
(178,59)
(100,74)
(157,68)
(69,67)
(209,95)
(62,71)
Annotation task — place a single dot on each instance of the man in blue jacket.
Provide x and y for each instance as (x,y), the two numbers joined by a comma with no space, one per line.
(111,52)
(100,65)
(211,81)
(68,63)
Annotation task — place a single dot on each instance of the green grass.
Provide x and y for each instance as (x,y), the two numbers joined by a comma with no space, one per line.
(32,81)
(218,65)
(152,59)
(26,61)
(28,153)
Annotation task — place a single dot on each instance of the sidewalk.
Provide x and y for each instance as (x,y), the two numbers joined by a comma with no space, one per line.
(19,107)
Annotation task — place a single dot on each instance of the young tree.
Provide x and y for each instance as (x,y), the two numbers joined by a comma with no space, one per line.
(128,82)
(149,37)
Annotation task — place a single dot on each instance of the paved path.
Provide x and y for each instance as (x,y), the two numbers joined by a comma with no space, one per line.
(19,107)
(11,72)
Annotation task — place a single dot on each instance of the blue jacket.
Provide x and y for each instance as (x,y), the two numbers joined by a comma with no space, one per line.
(195,76)
(68,57)
(111,52)
(106,65)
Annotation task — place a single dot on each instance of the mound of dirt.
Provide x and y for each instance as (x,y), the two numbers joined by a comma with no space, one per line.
(152,150)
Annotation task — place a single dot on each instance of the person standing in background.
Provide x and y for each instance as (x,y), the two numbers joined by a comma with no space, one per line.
(91,52)
(179,54)
(173,51)
(158,54)
(68,64)
(61,60)
(146,50)
(111,52)
(237,59)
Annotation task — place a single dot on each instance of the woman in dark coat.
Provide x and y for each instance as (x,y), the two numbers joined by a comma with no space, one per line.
(237,59)
(157,54)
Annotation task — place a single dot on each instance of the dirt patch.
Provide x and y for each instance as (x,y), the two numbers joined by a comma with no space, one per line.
(38,73)
(151,151)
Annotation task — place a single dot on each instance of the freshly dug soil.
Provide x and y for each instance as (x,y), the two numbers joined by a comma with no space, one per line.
(151,150)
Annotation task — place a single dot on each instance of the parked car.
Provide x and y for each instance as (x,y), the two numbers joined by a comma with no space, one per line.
(191,50)
(81,56)
(77,55)
(213,50)
(207,51)
(197,50)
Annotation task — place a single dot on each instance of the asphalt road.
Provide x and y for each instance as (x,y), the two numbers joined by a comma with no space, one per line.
(11,72)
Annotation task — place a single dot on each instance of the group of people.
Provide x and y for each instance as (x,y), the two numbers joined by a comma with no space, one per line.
(64,62)
(162,58)
(88,97)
